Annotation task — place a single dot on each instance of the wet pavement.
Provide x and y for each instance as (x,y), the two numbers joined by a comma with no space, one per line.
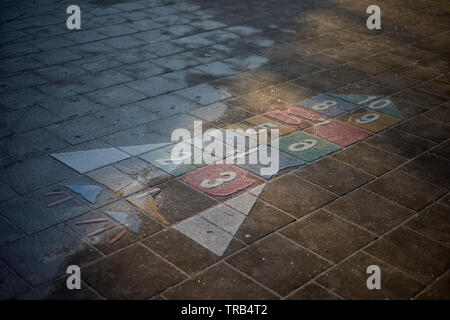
(364,123)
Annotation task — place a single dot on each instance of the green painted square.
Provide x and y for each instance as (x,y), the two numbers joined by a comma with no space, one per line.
(161,159)
(306,147)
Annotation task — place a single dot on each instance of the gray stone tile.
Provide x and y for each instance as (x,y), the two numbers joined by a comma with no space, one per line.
(168,125)
(46,255)
(192,42)
(21,81)
(219,69)
(205,94)
(155,86)
(70,107)
(115,96)
(164,48)
(177,61)
(116,30)
(125,117)
(59,73)
(82,129)
(248,61)
(9,233)
(10,284)
(123,43)
(21,98)
(106,78)
(145,173)
(141,70)
(168,104)
(33,174)
(6,192)
(55,56)
(31,144)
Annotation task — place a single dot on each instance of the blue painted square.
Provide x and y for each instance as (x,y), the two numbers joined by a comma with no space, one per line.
(329,106)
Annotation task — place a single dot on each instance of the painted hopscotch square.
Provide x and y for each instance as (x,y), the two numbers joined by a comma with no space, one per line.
(221,180)
(307,114)
(262,122)
(306,147)
(284,162)
(283,117)
(181,164)
(339,133)
(329,106)
(377,103)
(369,120)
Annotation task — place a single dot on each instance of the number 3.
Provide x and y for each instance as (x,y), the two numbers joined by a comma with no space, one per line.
(230,176)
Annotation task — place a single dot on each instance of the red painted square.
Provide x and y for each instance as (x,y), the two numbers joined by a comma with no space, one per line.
(339,133)
(306,114)
(219,179)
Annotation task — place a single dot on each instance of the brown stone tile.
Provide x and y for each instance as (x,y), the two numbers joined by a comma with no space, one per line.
(327,235)
(318,83)
(369,211)
(262,220)
(255,102)
(372,160)
(438,290)
(433,222)
(101,241)
(440,114)
(426,128)
(413,253)
(278,263)
(401,143)
(431,168)
(220,282)
(175,202)
(437,87)
(334,176)
(260,120)
(406,190)
(312,291)
(133,273)
(220,114)
(183,252)
(422,98)
(349,279)
(288,93)
(445,200)
(443,150)
(406,108)
(59,291)
(295,196)
(369,120)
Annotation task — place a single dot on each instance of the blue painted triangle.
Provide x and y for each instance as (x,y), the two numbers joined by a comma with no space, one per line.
(88,192)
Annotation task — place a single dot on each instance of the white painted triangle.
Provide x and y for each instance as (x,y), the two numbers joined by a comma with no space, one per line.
(257,190)
(243,203)
(85,161)
(140,149)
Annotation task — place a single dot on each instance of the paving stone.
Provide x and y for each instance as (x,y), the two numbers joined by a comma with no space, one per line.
(173,246)
(31,144)
(82,129)
(58,291)
(262,122)
(206,234)
(369,211)
(243,203)
(61,73)
(307,114)
(406,190)
(9,233)
(173,203)
(400,143)
(432,222)
(261,221)
(115,96)
(192,42)
(35,173)
(126,116)
(26,119)
(155,274)
(288,119)
(248,61)
(145,173)
(219,69)
(205,94)
(177,61)
(437,291)
(162,158)
(21,98)
(412,253)
(155,86)
(369,120)
(349,278)
(256,102)
(220,180)
(47,254)
(220,114)
(443,150)
(327,105)
(295,196)
(88,160)
(70,107)
(306,147)
(168,104)
(224,217)
(431,168)
(102,241)
(55,56)
(278,263)
(439,114)
(219,282)
(338,133)
(426,128)
(372,160)
(6,192)
(327,235)
(21,81)
(334,176)
(312,291)
(422,98)
(10,284)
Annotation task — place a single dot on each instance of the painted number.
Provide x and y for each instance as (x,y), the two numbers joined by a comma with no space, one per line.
(229,176)
(379,104)
(368,118)
(302,145)
(369,98)
(324,105)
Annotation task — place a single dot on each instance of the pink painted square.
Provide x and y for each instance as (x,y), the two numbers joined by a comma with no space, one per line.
(339,133)
(306,114)
(219,180)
